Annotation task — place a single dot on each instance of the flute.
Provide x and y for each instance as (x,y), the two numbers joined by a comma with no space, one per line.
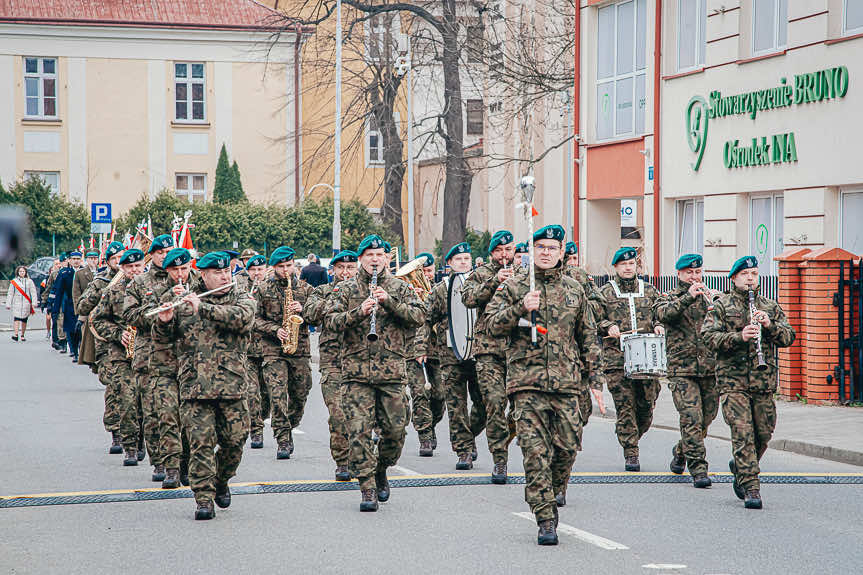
(166,306)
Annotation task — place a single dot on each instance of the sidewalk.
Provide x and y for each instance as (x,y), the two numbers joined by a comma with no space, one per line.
(834,433)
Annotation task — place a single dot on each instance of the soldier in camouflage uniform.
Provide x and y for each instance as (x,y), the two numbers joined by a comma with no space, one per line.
(634,399)
(459,377)
(542,380)
(259,396)
(48,297)
(479,288)
(82,279)
(143,295)
(732,332)
(373,371)
(329,350)
(691,368)
(86,304)
(116,366)
(210,336)
(288,377)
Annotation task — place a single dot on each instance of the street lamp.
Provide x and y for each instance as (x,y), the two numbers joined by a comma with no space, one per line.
(403,66)
(321,185)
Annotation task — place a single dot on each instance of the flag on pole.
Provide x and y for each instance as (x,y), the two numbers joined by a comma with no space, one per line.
(81,247)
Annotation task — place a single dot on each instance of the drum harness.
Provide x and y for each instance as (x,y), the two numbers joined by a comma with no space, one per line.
(633,322)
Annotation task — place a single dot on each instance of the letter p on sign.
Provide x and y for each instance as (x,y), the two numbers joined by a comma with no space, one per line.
(100,213)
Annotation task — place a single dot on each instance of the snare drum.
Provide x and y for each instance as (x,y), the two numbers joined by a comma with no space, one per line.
(644,356)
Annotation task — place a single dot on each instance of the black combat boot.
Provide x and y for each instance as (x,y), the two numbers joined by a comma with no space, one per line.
(172,478)
(131,459)
(283,451)
(205,511)
(678,463)
(383,485)
(464,462)
(184,472)
(632,463)
(498,474)
(342,473)
(291,445)
(560,498)
(223,495)
(116,448)
(701,481)
(426,449)
(753,499)
(434,442)
(738,491)
(547,533)
(158,473)
(141,454)
(473,453)
(370,500)
(257,441)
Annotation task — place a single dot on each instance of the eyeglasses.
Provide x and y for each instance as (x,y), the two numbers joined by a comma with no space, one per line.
(541,248)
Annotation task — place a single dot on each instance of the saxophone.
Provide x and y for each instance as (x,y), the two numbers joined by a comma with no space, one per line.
(130,349)
(290,322)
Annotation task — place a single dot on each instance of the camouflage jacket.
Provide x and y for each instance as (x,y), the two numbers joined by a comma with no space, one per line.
(82,279)
(90,299)
(615,311)
(433,337)
(163,355)
(682,316)
(107,318)
(594,296)
(736,360)
(566,334)
(383,361)
(47,292)
(316,309)
(268,319)
(144,294)
(479,288)
(256,346)
(211,345)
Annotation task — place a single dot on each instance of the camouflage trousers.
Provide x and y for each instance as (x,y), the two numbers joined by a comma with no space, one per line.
(111,416)
(459,382)
(548,426)
(585,409)
(634,400)
(752,419)
(331,389)
(258,395)
(150,415)
(697,404)
(173,439)
(491,378)
(367,407)
(289,382)
(211,423)
(129,396)
(428,406)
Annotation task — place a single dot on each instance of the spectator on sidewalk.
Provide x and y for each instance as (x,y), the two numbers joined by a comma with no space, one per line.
(21,299)
(314,273)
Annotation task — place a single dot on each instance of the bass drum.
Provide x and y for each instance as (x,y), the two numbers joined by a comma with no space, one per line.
(461,319)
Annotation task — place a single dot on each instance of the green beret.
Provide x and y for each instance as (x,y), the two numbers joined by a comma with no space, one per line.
(63,257)
(571,248)
(214,261)
(161,242)
(131,256)
(429,259)
(256,260)
(373,242)
(623,255)
(177,257)
(553,232)
(743,263)
(113,248)
(462,248)
(92,254)
(281,254)
(75,254)
(521,248)
(344,256)
(689,261)
(500,238)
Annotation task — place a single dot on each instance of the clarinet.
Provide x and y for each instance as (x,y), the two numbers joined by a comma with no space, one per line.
(762,365)
(373,322)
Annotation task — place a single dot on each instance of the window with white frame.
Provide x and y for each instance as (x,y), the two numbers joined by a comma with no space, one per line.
(474,110)
(852,17)
(691,27)
(766,222)
(40,87)
(690,227)
(189,92)
(382,31)
(191,187)
(621,70)
(769,25)
(374,142)
(852,215)
(50,179)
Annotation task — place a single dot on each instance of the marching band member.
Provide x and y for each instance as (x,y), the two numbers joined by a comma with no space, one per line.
(259,395)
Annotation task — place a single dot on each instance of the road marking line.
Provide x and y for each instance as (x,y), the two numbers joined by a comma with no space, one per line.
(585,536)
(404,470)
(664,566)
(298,431)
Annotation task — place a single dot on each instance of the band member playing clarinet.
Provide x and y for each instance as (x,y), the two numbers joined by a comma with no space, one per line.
(375,322)
(744,329)
(691,368)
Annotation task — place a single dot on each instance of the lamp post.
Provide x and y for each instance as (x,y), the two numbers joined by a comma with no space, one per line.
(403,66)
(337,176)
(321,185)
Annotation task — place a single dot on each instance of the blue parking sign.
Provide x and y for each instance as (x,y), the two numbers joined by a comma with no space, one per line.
(100,213)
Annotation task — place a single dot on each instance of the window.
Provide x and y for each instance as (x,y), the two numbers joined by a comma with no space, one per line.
(50,179)
(691,25)
(852,215)
(40,87)
(474,44)
(474,109)
(374,142)
(766,219)
(690,227)
(189,86)
(381,31)
(852,20)
(769,25)
(192,187)
(621,70)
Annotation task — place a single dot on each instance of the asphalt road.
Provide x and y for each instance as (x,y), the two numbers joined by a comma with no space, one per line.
(51,440)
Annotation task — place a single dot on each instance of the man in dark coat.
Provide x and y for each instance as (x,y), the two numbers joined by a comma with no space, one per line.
(314,273)
(65,303)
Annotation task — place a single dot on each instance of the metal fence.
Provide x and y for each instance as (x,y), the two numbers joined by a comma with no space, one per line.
(665,284)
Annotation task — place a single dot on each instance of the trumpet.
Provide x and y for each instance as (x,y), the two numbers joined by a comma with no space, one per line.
(373,322)
(710,295)
(166,306)
(762,365)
